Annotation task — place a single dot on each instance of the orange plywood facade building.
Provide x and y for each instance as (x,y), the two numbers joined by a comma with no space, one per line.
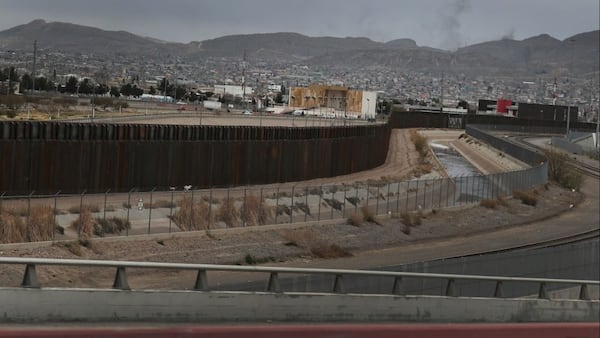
(338,98)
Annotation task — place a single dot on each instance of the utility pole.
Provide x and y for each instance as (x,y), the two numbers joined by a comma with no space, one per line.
(568,119)
(442,94)
(33,70)
(244,80)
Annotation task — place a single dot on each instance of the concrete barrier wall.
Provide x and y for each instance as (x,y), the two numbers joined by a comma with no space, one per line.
(86,305)
(513,330)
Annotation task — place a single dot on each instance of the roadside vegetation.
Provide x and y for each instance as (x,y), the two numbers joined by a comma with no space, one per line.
(39,226)
(561,172)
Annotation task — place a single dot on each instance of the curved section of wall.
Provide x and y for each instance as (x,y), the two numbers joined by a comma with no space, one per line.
(48,157)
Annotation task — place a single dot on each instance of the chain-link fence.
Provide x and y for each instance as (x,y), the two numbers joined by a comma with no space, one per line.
(31,217)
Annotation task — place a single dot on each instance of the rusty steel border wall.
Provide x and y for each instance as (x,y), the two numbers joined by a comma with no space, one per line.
(73,131)
(47,157)
(460,121)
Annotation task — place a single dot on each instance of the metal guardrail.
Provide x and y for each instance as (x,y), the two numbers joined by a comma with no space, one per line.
(30,279)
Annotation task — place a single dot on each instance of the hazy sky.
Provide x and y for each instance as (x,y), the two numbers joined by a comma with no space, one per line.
(444,24)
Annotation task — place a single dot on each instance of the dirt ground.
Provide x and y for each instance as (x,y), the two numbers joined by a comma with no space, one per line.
(310,242)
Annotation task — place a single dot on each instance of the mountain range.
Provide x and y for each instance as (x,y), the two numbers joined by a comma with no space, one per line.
(541,54)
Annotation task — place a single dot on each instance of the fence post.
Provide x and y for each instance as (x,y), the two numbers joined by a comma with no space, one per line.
(417,195)
(332,203)
(80,212)
(368,194)
(244,207)
(306,203)
(105,196)
(320,198)
(171,207)
(398,198)
(210,207)
(406,198)
(424,206)
(387,199)
(344,205)
(276,204)
(192,210)
(377,200)
(54,213)
(292,205)
(150,207)
(28,216)
(128,209)
(356,198)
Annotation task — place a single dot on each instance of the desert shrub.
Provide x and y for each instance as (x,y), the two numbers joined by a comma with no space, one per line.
(74,248)
(526,197)
(302,238)
(84,224)
(252,260)
(356,219)
(325,250)
(420,142)
(228,213)
(41,224)
(192,215)
(488,203)
(111,225)
(561,172)
(411,219)
(255,211)
(406,229)
(309,240)
(369,215)
(89,207)
(12,227)
(41,227)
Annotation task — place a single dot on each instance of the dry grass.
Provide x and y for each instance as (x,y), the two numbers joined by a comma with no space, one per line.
(527,197)
(420,143)
(309,240)
(560,171)
(111,225)
(488,203)
(369,215)
(228,213)
(255,211)
(302,238)
(84,224)
(411,219)
(41,223)
(356,219)
(89,207)
(192,216)
(13,228)
(329,251)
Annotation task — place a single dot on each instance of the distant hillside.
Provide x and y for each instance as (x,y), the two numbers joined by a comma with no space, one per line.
(536,55)
(291,44)
(71,38)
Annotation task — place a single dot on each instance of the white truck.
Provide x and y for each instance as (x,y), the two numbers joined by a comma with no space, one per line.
(212,105)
